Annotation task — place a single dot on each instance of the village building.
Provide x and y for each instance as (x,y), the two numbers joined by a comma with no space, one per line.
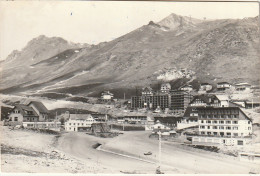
(22,113)
(53,125)
(40,110)
(187,88)
(223,126)
(107,96)
(190,118)
(147,91)
(158,126)
(32,115)
(169,121)
(223,86)
(101,117)
(243,87)
(252,103)
(165,88)
(179,101)
(132,119)
(224,100)
(150,102)
(79,122)
(205,87)
(205,100)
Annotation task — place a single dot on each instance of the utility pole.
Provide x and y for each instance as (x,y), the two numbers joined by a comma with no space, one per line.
(158,170)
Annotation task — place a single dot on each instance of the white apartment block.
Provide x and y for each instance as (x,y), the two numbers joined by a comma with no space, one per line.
(223,125)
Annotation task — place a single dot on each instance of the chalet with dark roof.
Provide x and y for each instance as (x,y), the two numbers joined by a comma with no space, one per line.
(205,100)
(40,110)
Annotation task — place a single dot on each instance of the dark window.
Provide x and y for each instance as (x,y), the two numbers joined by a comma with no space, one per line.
(235,122)
(16,119)
(240,142)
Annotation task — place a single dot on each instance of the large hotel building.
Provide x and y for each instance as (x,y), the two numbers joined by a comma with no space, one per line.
(222,125)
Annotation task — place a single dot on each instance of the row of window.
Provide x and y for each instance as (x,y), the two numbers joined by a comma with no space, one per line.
(80,123)
(220,122)
(222,127)
(218,116)
(220,134)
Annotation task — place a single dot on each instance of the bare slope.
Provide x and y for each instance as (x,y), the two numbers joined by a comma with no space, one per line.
(220,50)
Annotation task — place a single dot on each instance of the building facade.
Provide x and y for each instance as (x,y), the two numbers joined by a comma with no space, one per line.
(106,96)
(205,87)
(188,88)
(79,122)
(165,88)
(22,113)
(179,100)
(150,102)
(147,91)
(40,110)
(243,87)
(223,86)
(223,126)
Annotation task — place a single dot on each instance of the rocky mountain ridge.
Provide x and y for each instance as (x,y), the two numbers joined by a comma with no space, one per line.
(213,51)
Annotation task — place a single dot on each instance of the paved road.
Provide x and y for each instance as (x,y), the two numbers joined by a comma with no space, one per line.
(80,145)
(175,159)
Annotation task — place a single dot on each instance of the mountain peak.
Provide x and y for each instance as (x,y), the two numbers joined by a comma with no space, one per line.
(174,21)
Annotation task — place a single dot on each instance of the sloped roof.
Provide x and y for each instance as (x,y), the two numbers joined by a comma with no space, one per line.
(204,97)
(222,83)
(253,100)
(170,120)
(107,93)
(242,84)
(186,85)
(204,84)
(166,84)
(222,97)
(188,111)
(23,108)
(147,89)
(40,106)
(224,108)
(80,116)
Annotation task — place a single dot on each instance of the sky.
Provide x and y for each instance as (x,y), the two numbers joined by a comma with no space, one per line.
(96,21)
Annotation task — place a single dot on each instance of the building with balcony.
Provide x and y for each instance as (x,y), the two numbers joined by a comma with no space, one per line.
(223,126)
(223,86)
